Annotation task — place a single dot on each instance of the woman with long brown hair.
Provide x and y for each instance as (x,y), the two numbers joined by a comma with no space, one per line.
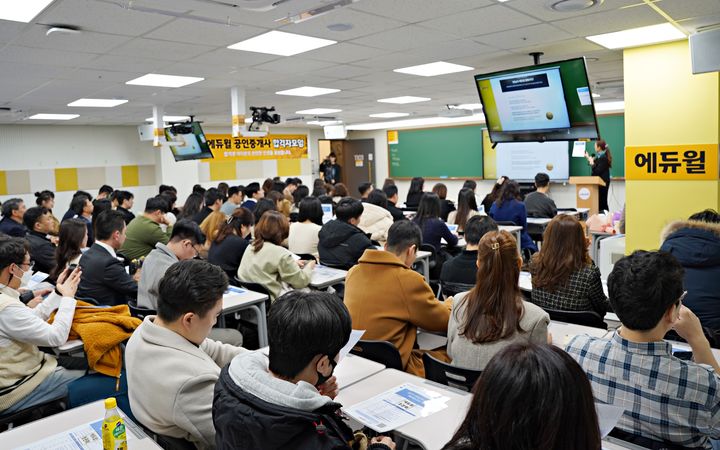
(231,241)
(446,206)
(73,237)
(493,315)
(466,208)
(268,263)
(563,275)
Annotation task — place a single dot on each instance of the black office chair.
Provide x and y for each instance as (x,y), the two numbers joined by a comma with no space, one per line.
(173,443)
(90,300)
(586,318)
(140,313)
(306,257)
(432,258)
(444,373)
(382,352)
(255,287)
(645,442)
(32,413)
(449,289)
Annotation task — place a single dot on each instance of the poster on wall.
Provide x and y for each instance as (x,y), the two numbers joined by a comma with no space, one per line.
(272,146)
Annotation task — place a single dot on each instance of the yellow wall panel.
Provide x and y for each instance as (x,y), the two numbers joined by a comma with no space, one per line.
(3,183)
(66,179)
(489,158)
(289,167)
(223,170)
(130,176)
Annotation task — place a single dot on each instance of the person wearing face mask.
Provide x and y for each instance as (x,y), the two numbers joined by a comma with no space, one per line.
(30,377)
(292,389)
(601,164)
(145,231)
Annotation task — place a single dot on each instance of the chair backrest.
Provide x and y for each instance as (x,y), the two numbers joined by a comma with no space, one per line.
(444,373)
(137,311)
(32,413)
(173,443)
(450,289)
(644,442)
(255,287)
(382,352)
(433,257)
(586,318)
(90,300)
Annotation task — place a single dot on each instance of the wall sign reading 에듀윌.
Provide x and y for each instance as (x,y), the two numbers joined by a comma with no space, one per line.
(272,146)
(672,162)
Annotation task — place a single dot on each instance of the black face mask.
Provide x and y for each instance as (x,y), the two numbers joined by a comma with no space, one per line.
(322,378)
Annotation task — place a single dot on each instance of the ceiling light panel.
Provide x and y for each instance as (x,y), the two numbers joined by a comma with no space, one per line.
(610,106)
(318,111)
(389,115)
(97,103)
(635,37)
(404,99)
(171,118)
(434,69)
(22,10)
(307,91)
(160,80)
(281,43)
(54,116)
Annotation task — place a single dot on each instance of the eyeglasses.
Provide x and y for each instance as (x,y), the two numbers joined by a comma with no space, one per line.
(30,264)
(681,298)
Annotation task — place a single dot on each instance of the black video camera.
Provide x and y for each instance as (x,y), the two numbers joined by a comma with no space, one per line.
(261,114)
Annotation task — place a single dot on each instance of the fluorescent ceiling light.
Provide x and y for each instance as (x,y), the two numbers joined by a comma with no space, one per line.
(470,106)
(324,122)
(422,121)
(318,111)
(171,118)
(22,10)
(595,95)
(635,37)
(156,79)
(433,69)
(389,115)
(54,116)
(404,99)
(610,106)
(307,91)
(281,43)
(97,102)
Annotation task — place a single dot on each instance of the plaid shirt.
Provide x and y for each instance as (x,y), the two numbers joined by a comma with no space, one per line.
(665,398)
(582,292)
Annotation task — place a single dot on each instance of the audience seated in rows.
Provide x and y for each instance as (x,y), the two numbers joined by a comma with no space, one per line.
(446,206)
(365,189)
(234,200)
(228,247)
(83,208)
(213,201)
(665,398)
(104,277)
(339,192)
(564,277)
(493,314)
(268,263)
(253,193)
(463,267)
(39,223)
(341,242)
(46,199)
(696,245)
(390,301)
(303,236)
(415,192)
(262,206)
(285,400)
(391,192)
(193,204)
(211,226)
(509,208)
(13,211)
(466,208)
(69,214)
(530,397)
(434,230)
(104,192)
(376,219)
(172,366)
(125,202)
(144,231)
(494,194)
(537,203)
(73,238)
(281,203)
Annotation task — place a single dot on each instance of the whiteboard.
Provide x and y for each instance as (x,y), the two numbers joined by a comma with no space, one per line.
(523,160)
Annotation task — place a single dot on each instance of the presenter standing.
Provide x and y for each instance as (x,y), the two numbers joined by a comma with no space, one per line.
(330,169)
(601,164)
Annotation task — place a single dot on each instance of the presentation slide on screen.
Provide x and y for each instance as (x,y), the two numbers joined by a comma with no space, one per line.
(523,160)
(532,100)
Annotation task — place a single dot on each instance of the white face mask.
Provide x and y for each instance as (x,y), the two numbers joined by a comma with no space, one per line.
(26,278)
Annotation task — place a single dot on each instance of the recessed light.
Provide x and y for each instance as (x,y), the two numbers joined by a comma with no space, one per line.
(389,115)
(318,111)
(97,103)
(54,116)
(574,5)
(22,10)
(404,99)
(417,122)
(171,119)
(281,43)
(433,69)
(307,91)
(470,106)
(595,95)
(156,79)
(635,37)
(610,106)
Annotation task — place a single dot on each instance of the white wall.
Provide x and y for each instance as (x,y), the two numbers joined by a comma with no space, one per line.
(562,193)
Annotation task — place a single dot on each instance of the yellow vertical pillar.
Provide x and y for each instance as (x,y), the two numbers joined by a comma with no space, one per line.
(668,113)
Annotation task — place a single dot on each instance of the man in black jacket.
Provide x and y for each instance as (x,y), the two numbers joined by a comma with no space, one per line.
(11,224)
(392,195)
(104,278)
(462,269)
(341,243)
(38,221)
(284,401)
(213,202)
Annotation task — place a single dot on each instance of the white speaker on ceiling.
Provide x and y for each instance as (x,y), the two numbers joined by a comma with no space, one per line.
(145,132)
(705,50)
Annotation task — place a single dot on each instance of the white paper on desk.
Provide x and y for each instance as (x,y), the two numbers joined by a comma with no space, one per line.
(84,437)
(397,407)
(37,278)
(578,149)
(608,417)
(355,336)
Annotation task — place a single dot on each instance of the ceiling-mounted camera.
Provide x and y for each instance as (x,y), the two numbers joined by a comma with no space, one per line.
(260,115)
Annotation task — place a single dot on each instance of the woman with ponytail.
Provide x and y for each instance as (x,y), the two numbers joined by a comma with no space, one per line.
(601,164)
(493,315)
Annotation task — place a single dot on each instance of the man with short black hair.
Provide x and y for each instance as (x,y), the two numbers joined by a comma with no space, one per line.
(389,300)
(145,231)
(104,192)
(83,208)
(291,389)
(70,212)
(104,278)
(341,242)
(253,193)
(365,189)
(665,398)
(213,201)
(172,366)
(39,222)
(462,268)
(391,191)
(13,211)
(125,201)
(235,198)
(537,203)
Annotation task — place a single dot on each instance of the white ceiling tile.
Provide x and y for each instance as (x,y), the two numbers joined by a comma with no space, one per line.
(344,53)
(9,30)
(524,37)
(293,64)
(87,41)
(226,58)
(417,10)
(457,48)
(403,38)
(164,50)
(196,32)
(363,25)
(124,63)
(685,9)
(481,21)
(610,21)
(697,23)
(15,53)
(541,9)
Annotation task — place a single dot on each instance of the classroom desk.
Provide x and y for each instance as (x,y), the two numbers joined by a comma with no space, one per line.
(423,257)
(516,230)
(26,435)
(323,277)
(239,299)
(431,432)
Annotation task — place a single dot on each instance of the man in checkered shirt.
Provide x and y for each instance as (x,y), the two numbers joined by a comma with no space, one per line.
(665,398)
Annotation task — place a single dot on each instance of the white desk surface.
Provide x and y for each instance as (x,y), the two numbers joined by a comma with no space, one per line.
(431,432)
(538,220)
(323,276)
(430,341)
(64,421)
(562,332)
(71,346)
(510,228)
(421,254)
(236,301)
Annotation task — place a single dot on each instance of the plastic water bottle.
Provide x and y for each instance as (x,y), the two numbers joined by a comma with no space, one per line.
(113,427)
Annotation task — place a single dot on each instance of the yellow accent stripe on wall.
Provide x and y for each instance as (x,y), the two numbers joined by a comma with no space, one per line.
(130,176)
(489,158)
(3,183)
(223,170)
(66,180)
(288,167)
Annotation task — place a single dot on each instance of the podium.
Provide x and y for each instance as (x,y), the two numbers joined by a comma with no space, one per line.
(587,192)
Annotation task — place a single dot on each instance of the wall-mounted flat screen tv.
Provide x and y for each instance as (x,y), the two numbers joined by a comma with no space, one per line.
(188,141)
